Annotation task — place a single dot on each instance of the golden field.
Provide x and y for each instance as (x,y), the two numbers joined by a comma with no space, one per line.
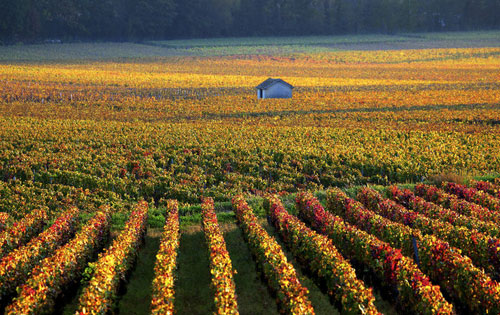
(110,150)
(178,126)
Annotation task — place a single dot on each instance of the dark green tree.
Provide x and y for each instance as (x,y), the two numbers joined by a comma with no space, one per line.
(144,19)
(151,18)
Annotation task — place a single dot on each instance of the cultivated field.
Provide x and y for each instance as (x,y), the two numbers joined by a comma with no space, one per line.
(130,175)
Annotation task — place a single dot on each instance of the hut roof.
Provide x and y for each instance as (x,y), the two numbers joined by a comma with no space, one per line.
(269,82)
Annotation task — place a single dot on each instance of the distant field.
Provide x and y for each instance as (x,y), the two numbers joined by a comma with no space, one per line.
(309,44)
(81,51)
(243,46)
(357,106)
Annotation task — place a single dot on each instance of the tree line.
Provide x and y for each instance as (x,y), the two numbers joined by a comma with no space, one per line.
(162,19)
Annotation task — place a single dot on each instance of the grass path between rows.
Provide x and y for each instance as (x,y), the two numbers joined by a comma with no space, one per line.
(192,286)
(136,299)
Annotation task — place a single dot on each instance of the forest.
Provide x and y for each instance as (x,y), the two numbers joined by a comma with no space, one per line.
(38,20)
